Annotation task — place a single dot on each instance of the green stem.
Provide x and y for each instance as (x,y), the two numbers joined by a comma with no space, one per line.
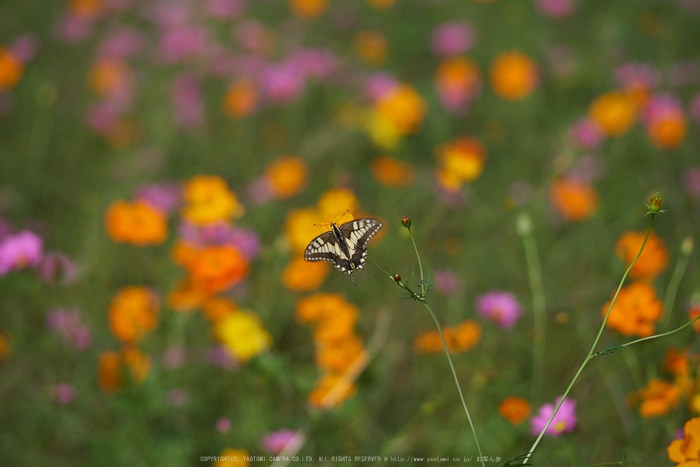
(595,343)
(420,265)
(539,306)
(657,335)
(421,298)
(673,285)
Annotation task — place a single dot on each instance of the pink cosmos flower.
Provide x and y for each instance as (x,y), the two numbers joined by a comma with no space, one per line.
(378,85)
(556,8)
(313,63)
(691,180)
(446,282)
(56,267)
(694,109)
(165,197)
(218,356)
(66,324)
(278,441)
(223,425)
(177,397)
(71,28)
(587,134)
(634,76)
(186,96)
(224,9)
(500,307)
(23,249)
(174,357)
(121,43)
(453,38)
(282,83)
(25,47)
(564,421)
(662,106)
(63,393)
(180,43)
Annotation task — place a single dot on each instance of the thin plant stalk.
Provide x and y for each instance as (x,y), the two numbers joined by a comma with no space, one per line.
(673,285)
(595,343)
(539,304)
(421,298)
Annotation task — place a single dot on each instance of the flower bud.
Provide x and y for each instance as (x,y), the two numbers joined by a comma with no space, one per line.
(406,221)
(655,204)
(397,277)
(687,246)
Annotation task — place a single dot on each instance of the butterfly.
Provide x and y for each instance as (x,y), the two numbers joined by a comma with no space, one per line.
(345,247)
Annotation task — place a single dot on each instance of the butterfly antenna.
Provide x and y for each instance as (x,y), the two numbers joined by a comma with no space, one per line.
(353,281)
(363,270)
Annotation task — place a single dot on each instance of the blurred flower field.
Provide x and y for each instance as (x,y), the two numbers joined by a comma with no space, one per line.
(165,163)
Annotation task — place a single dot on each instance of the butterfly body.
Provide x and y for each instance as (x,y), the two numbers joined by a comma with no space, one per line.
(344,246)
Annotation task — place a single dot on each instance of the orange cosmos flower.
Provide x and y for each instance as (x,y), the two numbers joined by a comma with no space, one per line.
(113,366)
(614,112)
(186,296)
(457,80)
(393,173)
(466,335)
(240,99)
(574,199)
(459,161)
(109,375)
(693,313)
(652,261)
(301,276)
(337,202)
(217,268)
(217,308)
(337,325)
(137,364)
(11,69)
(686,452)
(675,362)
(370,46)
(340,354)
(513,75)
(514,409)
(299,227)
(308,9)
(5,349)
(287,176)
(658,398)
(208,200)
(136,223)
(317,306)
(636,310)
(233,458)
(133,313)
(665,122)
(381,4)
(109,76)
(85,9)
(403,107)
(332,390)
(458,338)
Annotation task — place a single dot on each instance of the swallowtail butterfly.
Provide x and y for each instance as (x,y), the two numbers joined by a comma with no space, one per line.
(345,247)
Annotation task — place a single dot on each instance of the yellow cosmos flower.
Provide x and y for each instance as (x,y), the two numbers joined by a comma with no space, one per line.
(208,200)
(242,335)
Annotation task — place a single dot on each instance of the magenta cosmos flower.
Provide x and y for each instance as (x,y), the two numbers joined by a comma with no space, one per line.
(500,307)
(453,38)
(564,421)
(20,250)
(278,441)
(587,134)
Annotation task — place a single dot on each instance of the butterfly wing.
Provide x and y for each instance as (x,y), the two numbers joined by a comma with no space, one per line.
(357,234)
(325,247)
